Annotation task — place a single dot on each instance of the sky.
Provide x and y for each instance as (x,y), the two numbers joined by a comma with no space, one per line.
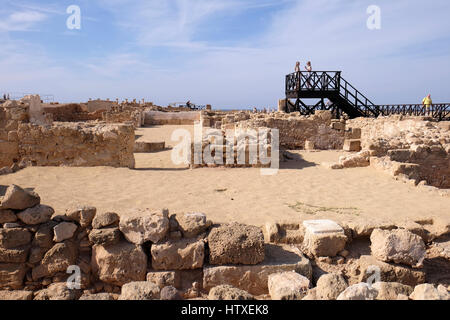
(227,53)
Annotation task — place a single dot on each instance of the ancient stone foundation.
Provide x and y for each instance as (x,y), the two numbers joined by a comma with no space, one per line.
(24,141)
(152,254)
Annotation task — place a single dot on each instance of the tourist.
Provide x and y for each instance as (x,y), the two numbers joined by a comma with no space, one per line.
(427,102)
(297,66)
(308,69)
(188,104)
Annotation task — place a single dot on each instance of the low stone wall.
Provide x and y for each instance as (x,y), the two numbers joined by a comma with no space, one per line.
(77,144)
(320,130)
(418,148)
(71,112)
(150,254)
(68,143)
(171,118)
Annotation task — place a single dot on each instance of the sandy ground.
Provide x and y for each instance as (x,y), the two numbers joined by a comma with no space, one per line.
(301,190)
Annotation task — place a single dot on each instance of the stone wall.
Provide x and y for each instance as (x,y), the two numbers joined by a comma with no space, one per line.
(71,112)
(171,118)
(151,254)
(77,144)
(319,130)
(72,144)
(415,147)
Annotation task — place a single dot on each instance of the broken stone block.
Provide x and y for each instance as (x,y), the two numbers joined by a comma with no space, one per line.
(360,291)
(330,286)
(227,292)
(105,236)
(139,227)
(57,291)
(254,278)
(15,237)
(19,199)
(82,214)
(192,224)
(141,290)
(12,275)
(287,286)
(36,215)
(7,216)
(16,295)
(105,219)
(391,290)
(323,238)
(64,231)
(399,246)
(119,263)
(57,259)
(427,291)
(352,145)
(164,278)
(366,266)
(180,255)
(332,165)
(170,293)
(236,244)
(14,255)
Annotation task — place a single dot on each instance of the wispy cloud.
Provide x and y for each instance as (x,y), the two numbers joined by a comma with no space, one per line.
(22,21)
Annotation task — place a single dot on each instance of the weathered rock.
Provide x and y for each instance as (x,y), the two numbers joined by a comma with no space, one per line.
(12,238)
(391,290)
(352,145)
(288,286)
(105,219)
(443,292)
(164,278)
(16,255)
(64,231)
(227,292)
(426,292)
(82,214)
(57,291)
(57,259)
(16,295)
(12,275)
(365,267)
(360,291)
(236,244)
(170,293)
(7,216)
(323,238)
(119,263)
(363,227)
(43,237)
(98,296)
(192,224)
(399,246)
(311,295)
(105,236)
(19,199)
(330,286)
(11,225)
(254,278)
(179,255)
(141,227)
(141,290)
(36,215)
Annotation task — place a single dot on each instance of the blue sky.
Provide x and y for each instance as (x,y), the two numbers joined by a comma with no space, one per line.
(228,53)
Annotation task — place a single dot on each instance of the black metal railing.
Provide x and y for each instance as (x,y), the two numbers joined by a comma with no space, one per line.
(313,81)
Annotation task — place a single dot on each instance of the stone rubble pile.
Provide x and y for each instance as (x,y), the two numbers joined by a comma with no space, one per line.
(150,254)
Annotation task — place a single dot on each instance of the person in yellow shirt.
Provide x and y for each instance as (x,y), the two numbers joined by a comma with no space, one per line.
(427,102)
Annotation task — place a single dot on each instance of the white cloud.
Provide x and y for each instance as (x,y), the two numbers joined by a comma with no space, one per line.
(22,21)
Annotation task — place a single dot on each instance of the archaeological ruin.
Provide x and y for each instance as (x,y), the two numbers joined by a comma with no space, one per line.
(170,254)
